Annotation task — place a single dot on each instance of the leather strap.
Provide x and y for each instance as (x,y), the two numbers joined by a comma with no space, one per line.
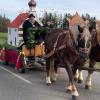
(55,50)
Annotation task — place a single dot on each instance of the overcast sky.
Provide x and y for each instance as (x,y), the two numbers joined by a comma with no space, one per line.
(11,8)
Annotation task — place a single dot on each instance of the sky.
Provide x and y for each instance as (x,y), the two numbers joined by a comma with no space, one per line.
(11,8)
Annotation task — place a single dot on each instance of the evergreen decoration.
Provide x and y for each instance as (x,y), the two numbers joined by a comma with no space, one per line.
(31,39)
(32,32)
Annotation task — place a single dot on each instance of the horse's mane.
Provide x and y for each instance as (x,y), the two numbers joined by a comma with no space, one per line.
(98,36)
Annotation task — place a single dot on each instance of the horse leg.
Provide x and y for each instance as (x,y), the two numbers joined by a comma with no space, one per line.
(80,77)
(53,69)
(79,71)
(76,74)
(71,86)
(88,84)
(55,74)
(48,80)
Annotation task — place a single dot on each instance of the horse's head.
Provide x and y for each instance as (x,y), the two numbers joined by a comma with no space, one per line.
(84,40)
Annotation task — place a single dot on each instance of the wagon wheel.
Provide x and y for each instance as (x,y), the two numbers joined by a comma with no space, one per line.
(30,61)
(41,61)
(22,70)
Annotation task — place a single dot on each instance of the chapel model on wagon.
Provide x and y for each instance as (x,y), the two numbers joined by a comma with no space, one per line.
(15,33)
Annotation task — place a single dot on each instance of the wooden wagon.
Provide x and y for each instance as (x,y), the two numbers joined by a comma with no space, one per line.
(29,55)
(27,58)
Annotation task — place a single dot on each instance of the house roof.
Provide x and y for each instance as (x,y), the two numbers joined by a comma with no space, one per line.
(17,22)
(76,20)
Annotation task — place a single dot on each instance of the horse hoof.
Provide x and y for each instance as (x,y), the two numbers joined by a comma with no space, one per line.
(74,97)
(53,81)
(48,84)
(68,91)
(80,81)
(88,87)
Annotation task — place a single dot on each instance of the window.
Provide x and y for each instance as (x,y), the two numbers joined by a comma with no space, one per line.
(9,31)
(15,40)
(11,42)
(15,29)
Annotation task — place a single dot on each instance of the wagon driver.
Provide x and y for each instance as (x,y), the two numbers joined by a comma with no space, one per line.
(29,23)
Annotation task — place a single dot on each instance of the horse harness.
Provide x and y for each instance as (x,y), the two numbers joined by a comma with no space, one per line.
(55,48)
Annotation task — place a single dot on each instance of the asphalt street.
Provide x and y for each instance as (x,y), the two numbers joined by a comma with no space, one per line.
(32,86)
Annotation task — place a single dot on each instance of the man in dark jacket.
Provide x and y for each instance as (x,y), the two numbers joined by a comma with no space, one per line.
(29,23)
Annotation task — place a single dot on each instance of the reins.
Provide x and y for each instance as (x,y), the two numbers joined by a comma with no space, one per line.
(52,52)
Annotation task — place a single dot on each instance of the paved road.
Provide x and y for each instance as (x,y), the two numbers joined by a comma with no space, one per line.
(31,86)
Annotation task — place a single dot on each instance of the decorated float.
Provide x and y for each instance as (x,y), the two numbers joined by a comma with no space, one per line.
(15,52)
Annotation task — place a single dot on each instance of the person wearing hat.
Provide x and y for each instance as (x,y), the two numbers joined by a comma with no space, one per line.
(29,23)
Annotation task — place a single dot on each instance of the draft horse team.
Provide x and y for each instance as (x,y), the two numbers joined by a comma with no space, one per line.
(70,51)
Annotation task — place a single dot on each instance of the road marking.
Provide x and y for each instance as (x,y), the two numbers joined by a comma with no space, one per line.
(16,75)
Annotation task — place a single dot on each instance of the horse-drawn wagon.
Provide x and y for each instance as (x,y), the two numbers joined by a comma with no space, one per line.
(27,58)
(33,51)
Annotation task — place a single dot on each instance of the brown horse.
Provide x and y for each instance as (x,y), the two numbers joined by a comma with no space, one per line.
(60,50)
(94,57)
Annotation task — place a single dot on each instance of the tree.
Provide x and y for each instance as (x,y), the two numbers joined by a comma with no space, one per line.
(65,23)
(60,21)
(50,20)
(4,23)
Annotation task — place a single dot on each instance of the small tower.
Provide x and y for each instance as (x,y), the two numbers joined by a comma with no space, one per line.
(32,6)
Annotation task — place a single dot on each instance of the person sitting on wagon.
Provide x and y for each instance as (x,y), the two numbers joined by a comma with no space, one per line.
(29,23)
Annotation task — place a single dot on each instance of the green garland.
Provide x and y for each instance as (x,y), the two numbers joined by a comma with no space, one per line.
(31,43)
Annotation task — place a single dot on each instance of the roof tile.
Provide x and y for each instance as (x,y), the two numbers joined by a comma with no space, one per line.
(17,22)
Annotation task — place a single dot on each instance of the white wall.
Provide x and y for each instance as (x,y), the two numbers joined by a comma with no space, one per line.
(13,38)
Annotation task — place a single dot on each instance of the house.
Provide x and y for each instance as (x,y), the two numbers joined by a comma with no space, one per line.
(15,33)
(15,29)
